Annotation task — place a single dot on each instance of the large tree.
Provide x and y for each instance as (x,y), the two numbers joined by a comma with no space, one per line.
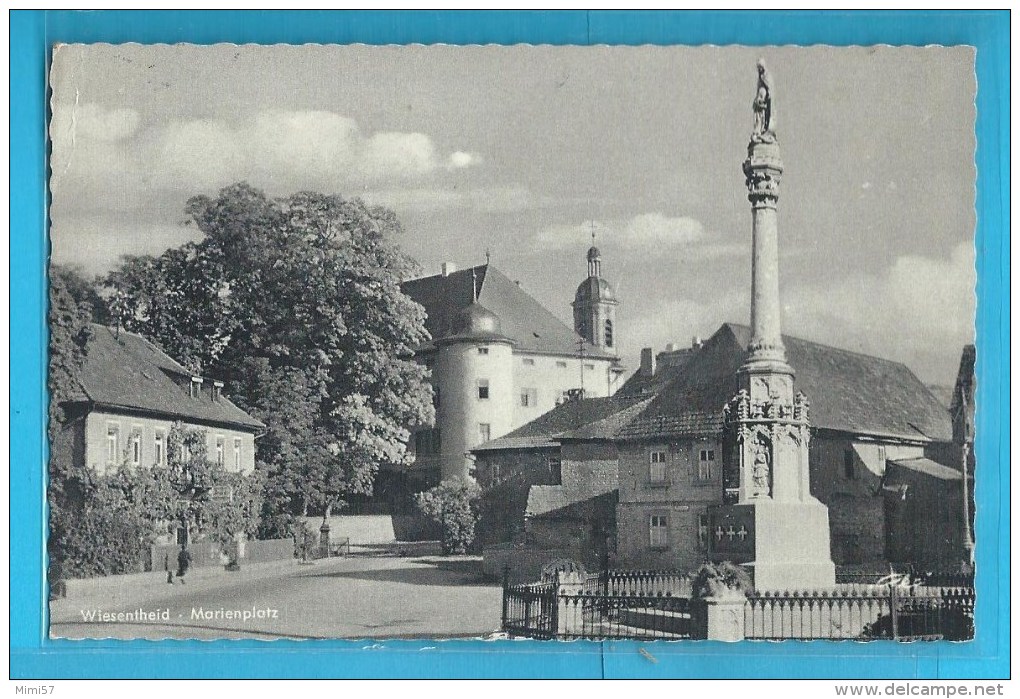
(296,302)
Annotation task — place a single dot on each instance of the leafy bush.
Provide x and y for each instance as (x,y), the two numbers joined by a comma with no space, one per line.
(453,505)
(721,580)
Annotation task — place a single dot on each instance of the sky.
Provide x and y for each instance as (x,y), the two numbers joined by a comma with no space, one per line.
(524,151)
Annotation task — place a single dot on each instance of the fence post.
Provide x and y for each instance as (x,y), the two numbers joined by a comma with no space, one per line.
(506,596)
(568,605)
(894,611)
(723,617)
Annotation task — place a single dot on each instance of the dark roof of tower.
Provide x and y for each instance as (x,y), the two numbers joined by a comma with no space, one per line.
(125,370)
(594,288)
(963,391)
(477,323)
(523,320)
(849,392)
(594,253)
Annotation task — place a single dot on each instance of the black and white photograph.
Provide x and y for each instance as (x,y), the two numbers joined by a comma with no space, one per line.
(512,342)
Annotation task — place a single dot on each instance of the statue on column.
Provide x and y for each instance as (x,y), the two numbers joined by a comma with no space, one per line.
(764,121)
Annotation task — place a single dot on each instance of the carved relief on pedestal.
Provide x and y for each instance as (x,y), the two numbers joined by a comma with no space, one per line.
(761,466)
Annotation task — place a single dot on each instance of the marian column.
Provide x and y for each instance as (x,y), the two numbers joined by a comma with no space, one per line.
(771,522)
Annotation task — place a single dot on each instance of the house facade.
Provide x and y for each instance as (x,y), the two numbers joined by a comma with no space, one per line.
(873,422)
(132,394)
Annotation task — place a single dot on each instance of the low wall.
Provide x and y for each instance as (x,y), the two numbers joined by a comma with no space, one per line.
(360,529)
(524,564)
(210,553)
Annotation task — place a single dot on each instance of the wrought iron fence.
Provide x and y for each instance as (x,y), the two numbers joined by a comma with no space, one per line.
(529,610)
(893,612)
(596,616)
(639,583)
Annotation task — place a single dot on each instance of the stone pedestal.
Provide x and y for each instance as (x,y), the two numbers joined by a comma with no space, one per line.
(724,618)
(791,546)
(569,605)
(324,539)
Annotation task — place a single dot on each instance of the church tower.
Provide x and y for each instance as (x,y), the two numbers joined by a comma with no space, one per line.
(595,306)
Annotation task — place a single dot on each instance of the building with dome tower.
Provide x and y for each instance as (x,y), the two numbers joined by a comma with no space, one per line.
(498,359)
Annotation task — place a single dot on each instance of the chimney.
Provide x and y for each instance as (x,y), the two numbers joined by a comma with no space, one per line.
(671,347)
(647,362)
(696,342)
(448,268)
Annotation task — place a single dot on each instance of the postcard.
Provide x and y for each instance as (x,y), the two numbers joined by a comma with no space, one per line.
(502,342)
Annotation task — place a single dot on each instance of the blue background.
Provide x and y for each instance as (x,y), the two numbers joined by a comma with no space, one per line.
(35,656)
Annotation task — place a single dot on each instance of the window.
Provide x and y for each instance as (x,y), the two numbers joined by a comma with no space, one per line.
(609,333)
(658,532)
(185,453)
(217,388)
(237,453)
(881,455)
(219,452)
(848,464)
(555,470)
(483,350)
(483,389)
(657,466)
(561,365)
(703,526)
(529,397)
(136,446)
(706,464)
(112,447)
(435,397)
(196,387)
(484,432)
(582,328)
(589,367)
(159,448)
(528,361)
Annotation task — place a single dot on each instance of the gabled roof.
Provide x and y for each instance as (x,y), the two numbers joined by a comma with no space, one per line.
(124,370)
(523,319)
(849,392)
(544,431)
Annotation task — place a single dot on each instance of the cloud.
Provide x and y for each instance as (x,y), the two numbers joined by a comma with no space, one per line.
(913,311)
(648,231)
(497,199)
(99,152)
(460,159)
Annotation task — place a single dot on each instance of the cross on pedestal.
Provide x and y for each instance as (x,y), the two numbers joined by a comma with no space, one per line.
(718,533)
(742,533)
(730,533)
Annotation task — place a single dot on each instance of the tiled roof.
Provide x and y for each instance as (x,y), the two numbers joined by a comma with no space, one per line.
(531,326)
(928,468)
(849,392)
(564,418)
(681,425)
(124,370)
(668,366)
(608,427)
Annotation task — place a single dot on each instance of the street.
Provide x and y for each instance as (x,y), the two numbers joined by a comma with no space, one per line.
(357,597)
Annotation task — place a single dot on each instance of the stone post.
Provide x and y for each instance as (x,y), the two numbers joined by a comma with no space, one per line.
(569,606)
(724,618)
(324,539)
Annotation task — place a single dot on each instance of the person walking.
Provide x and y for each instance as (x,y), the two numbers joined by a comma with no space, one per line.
(183,563)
